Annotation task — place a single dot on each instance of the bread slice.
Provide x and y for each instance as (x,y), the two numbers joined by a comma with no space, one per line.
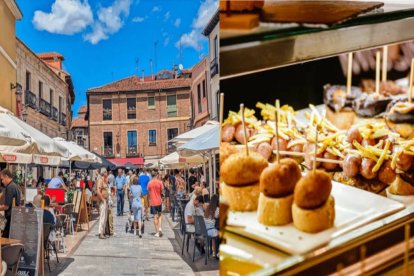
(314,220)
(275,211)
(341,119)
(401,187)
(241,198)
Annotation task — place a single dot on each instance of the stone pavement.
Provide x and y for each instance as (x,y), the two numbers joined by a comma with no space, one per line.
(125,254)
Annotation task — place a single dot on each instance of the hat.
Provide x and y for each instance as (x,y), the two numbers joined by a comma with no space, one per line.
(103,170)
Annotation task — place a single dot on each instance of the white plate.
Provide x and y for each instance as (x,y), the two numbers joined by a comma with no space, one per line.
(406,200)
(353,208)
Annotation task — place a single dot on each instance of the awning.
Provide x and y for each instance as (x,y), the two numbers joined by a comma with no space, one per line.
(77,153)
(174,160)
(138,161)
(206,142)
(189,135)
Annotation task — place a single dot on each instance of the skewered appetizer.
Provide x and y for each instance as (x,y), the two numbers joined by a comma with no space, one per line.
(233,128)
(277,183)
(388,88)
(403,162)
(400,117)
(313,209)
(339,109)
(240,174)
(367,163)
(371,106)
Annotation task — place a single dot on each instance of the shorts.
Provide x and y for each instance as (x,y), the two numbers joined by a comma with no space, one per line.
(156,210)
(145,201)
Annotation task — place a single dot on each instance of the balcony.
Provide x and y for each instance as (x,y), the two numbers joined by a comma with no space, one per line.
(63,119)
(30,99)
(55,114)
(108,152)
(214,67)
(132,151)
(45,108)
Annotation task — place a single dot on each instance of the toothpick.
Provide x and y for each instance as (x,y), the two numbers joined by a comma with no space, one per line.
(349,75)
(410,89)
(384,63)
(221,113)
(377,73)
(316,147)
(244,129)
(277,137)
(278,110)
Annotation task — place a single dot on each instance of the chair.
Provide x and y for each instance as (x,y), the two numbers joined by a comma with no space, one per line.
(11,255)
(60,231)
(202,235)
(47,245)
(185,234)
(70,219)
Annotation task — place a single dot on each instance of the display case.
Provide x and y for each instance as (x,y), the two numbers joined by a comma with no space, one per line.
(379,247)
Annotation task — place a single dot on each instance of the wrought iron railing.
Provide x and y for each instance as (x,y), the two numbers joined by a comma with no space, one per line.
(55,114)
(63,119)
(30,99)
(45,107)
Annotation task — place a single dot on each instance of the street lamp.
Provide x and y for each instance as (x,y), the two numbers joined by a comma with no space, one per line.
(24,115)
(16,86)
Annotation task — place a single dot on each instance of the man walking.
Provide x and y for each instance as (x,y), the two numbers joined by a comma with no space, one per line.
(12,196)
(155,188)
(143,181)
(102,193)
(120,182)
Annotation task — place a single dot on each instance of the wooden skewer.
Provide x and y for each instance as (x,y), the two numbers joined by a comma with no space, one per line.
(221,113)
(349,75)
(410,85)
(377,73)
(277,109)
(316,147)
(244,129)
(277,136)
(384,63)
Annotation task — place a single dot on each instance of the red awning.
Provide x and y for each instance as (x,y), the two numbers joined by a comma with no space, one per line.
(139,161)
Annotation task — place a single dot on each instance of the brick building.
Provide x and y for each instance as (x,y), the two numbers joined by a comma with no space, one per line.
(134,118)
(48,91)
(200,92)
(79,128)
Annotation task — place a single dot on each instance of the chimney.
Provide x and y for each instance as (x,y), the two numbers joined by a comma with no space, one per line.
(52,59)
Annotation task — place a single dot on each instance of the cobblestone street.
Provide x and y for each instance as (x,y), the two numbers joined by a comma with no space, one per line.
(126,254)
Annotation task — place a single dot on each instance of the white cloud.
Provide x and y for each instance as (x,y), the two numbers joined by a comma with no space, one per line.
(194,39)
(138,19)
(205,12)
(177,22)
(167,15)
(156,9)
(166,39)
(110,20)
(66,17)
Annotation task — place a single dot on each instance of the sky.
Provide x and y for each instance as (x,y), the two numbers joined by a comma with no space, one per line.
(104,41)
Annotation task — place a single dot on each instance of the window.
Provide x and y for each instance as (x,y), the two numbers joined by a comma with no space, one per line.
(132,143)
(108,146)
(28,80)
(40,90)
(172,133)
(132,108)
(107,109)
(60,109)
(79,141)
(200,107)
(216,46)
(151,102)
(172,106)
(204,88)
(51,96)
(152,137)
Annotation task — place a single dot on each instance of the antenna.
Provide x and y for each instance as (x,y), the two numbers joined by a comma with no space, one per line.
(136,65)
(142,74)
(181,53)
(155,55)
(152,74)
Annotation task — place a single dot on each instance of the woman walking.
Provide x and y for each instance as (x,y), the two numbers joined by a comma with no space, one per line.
(136,196)
(166,199)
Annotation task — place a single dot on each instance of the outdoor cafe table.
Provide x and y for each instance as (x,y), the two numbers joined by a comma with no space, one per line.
(6,241)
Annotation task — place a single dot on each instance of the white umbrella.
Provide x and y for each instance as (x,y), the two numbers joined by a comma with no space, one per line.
(10,136)
(205,142)
(77,153)
(175,161)
(194,133)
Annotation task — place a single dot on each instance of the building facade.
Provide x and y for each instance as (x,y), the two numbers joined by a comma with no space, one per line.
(47,96)
(9,87)
(134,118)
(212,32)
(79,128)
(200,91)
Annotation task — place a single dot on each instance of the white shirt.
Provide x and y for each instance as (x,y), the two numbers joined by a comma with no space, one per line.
(191,210)
(55,183)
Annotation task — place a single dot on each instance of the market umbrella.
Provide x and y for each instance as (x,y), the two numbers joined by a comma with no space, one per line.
(11,136)
(204,143)
(194,133)
(175,161)
(106,163)
(78,153)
